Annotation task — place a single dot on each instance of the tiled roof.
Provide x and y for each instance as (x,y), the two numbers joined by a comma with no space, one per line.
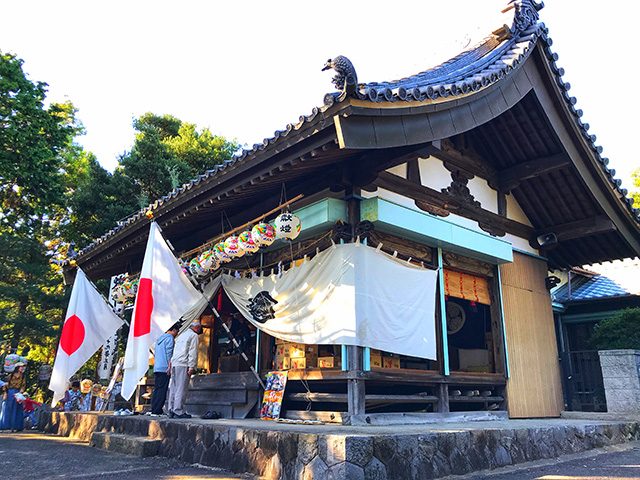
(493,59)
(589,288)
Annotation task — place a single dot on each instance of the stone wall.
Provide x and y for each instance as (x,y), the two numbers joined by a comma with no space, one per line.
(621,377)
(290,454)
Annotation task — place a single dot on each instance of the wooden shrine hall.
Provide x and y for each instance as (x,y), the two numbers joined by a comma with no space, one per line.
(480,168)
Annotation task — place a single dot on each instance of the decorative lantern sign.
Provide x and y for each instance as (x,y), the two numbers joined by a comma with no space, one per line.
(209,261)
(263,234)
(222,256)
(287,226)
(232,247)
(196,269)
(246,242)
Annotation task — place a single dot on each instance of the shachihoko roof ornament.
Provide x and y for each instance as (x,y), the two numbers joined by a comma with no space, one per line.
(345,80)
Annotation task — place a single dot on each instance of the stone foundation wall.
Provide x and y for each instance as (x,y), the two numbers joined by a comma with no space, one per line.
(621,377)
(295,455)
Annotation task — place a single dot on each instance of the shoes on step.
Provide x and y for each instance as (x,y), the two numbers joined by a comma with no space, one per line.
(210,415)
(171,414)
(182,415)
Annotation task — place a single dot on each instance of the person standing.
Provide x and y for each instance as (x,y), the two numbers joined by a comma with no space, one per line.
(162,357)
(183,365)
(12,414)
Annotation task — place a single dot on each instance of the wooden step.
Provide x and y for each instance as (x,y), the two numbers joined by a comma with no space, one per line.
(369,399)
(224,381)
(127,444)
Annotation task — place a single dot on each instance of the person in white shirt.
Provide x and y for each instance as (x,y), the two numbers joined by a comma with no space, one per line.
(182,366)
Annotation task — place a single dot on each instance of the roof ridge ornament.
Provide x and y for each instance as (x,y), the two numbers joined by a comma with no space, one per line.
(526,13)
(345,80)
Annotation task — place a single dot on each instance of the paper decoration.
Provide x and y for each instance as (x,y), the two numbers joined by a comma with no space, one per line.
(273,394)
(209,261)
(232,248)
(222,256)
(196,269)
(246,242)
(263,234)
(287,226)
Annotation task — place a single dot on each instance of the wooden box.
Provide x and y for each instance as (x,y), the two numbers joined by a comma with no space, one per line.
(375,360)
(283,363)
(390,362)
(326,362)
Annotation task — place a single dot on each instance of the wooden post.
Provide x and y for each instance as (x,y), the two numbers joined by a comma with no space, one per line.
(504,329)
(443,315)
(355,386)
(443,398)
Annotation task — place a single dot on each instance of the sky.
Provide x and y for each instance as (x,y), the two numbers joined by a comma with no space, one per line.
(247,68)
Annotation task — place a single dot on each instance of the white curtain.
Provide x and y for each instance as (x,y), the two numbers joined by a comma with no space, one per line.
(347,295)
(209,290)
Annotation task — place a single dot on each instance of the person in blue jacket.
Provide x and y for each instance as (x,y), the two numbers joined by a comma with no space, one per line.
(161,368)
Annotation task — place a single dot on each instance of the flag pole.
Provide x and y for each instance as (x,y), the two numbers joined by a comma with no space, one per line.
(198,285)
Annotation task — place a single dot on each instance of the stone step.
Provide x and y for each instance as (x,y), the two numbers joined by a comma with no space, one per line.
(127,444)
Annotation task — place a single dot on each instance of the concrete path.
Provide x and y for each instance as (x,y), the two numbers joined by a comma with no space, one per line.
(619,462)
(29,456)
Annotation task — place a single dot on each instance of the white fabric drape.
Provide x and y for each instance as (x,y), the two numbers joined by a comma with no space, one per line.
(347,295)
(208,291)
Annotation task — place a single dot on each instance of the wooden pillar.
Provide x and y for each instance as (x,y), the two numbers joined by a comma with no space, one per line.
(355,386)
(443,398)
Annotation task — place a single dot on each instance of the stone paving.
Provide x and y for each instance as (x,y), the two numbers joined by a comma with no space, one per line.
(287,451)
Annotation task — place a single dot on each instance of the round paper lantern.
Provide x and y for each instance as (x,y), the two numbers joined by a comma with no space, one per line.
(287,226)
(118,294)
(221,255)
(232,247)
(246,242)
(208,260)
(263,234)
(195,268)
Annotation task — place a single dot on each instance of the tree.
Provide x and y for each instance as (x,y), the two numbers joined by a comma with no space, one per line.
(620,331)
(38,162)
(168,152)
(98,201)
(635,192)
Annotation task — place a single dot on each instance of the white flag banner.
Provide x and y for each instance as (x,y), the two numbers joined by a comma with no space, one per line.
(349,294)
(89,322)
(165,294)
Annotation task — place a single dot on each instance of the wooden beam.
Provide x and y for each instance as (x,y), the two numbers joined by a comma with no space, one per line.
(580,228)
(484,217)
(467,161)
(510,178)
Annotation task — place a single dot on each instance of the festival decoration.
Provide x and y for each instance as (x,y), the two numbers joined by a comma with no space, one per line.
(263,234)
(222,256)
(287,226)
(85,386)
(232,248)
(246,242)
(196,269)
(209,261)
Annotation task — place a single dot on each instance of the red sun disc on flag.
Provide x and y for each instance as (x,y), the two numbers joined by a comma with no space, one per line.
(72,335)
(144,307)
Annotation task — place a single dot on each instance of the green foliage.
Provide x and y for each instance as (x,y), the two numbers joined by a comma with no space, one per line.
(622,331)
(32,140)
(635,192)
(168,152)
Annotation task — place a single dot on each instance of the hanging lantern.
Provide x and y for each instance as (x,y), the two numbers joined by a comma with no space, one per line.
(287,226)
(263,234)
(232,248)
(195,268)
(129,289)
(246,242)
(221,255)
(208,260)
(118,294)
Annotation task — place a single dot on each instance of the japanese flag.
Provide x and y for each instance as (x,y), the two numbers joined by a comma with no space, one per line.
(165,294)
(89,322)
